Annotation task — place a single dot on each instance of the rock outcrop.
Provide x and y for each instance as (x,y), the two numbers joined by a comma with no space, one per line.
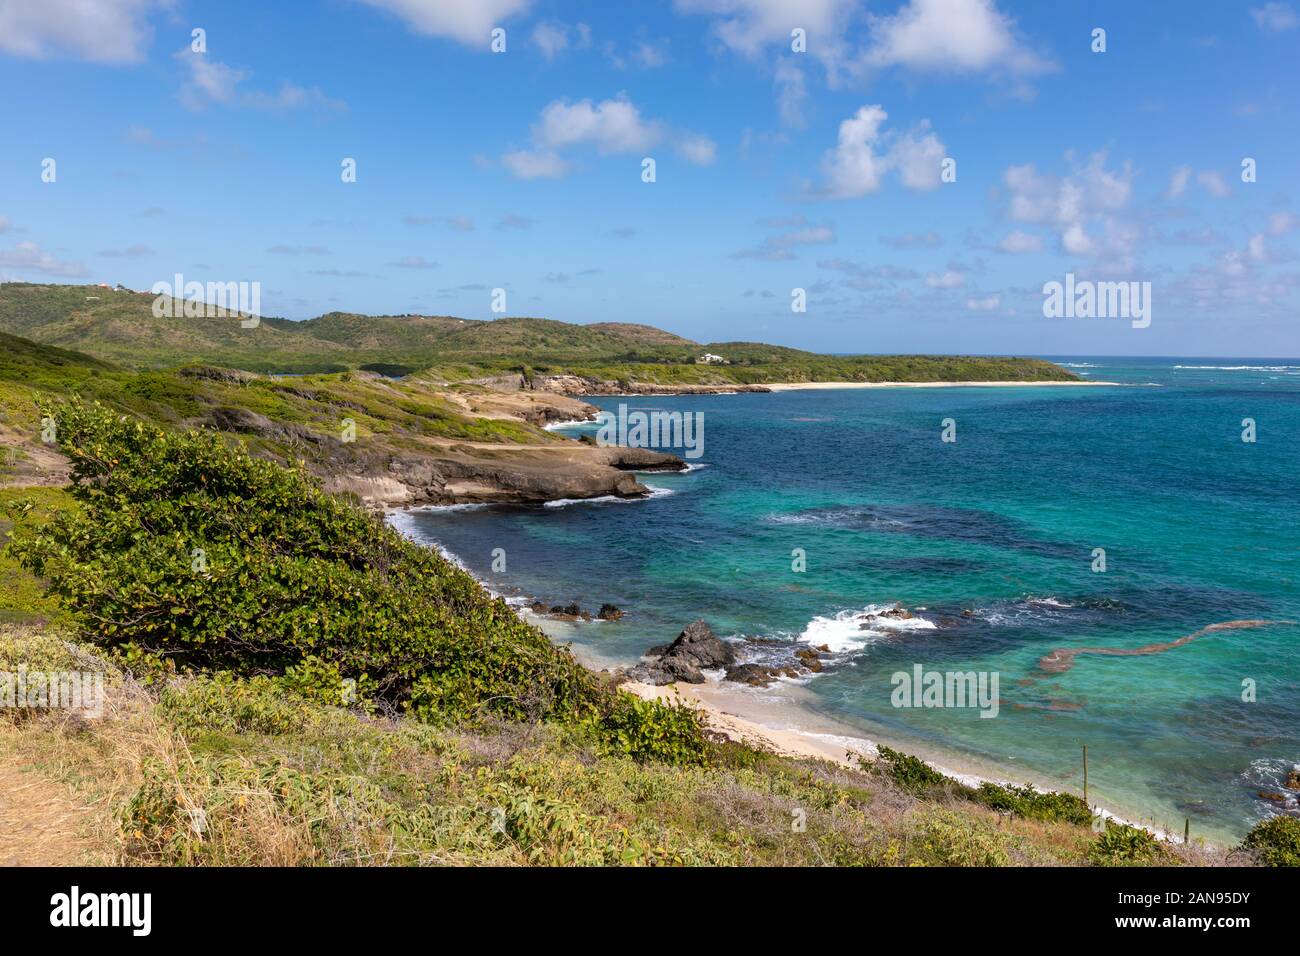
(696,649)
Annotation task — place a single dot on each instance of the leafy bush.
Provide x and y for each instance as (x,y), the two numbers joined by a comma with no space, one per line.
(188,549)
(1120,844)
(1034,804)
(1276,840)
(913,774)
(226,704)
(946,839)
(671,733)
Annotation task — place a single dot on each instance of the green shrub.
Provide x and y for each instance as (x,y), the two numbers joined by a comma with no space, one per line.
(946,839)
(1034,804)
(671,733)
(189,549)
(226,704)
(912,773)
(1120,845)
(1276,841)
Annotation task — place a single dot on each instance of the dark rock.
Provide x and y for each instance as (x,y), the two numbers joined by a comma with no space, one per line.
(538,607)
(568,610)
(755,675)
(666,670)
(808,658)
(698,644)
(1292,780)
(609,612)
(1272,795)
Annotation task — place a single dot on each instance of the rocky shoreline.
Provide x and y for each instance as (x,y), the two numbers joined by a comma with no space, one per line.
(697,649)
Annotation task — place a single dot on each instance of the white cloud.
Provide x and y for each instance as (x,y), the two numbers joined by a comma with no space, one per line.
(853,169)
(1017,241)
(1211,181)
(918,155)
(949,279)
(612,126)
(28,256)
(959,36)
(749,26)
(1214,184)
(986,304)
(1090,195)
(1275,17)
(791,94)
(696,149)
(211,81)
(1279,223)
(779,248)
(103,31)
(5,224)
(1178,181)
(291,96)
(1075,240)
(553,38)
(469,21)
(649,55)
(1255,248)
(535,164)
(863,155)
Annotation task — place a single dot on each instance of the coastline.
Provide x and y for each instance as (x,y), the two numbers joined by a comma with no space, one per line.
(804,386)
(784,723)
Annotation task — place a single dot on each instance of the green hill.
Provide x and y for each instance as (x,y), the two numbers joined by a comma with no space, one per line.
(120,327)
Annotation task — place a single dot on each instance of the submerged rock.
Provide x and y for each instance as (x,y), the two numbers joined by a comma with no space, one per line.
(609,612)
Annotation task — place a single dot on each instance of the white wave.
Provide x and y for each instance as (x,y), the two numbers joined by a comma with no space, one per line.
(1078,365)
(844,631)
(1240,368)
(655,492)
(553,426)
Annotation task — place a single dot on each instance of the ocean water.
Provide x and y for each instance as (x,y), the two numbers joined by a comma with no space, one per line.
(993,535)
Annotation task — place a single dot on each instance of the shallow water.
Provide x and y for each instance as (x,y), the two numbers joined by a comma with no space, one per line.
(1198,528)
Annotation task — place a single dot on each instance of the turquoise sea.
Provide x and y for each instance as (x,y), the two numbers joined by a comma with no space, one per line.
(993,535)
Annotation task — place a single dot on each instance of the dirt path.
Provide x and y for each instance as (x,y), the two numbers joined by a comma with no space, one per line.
(41,824)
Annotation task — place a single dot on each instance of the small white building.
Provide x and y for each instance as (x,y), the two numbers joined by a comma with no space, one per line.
(708,358)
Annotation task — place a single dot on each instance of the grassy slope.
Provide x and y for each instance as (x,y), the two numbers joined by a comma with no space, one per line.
(120,327)
(401,414)
(215,771)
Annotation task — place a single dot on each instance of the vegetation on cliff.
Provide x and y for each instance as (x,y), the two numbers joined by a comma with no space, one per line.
(120,327)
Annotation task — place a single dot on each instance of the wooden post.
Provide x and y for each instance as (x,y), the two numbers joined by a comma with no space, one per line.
(1187,829)
(1085,773)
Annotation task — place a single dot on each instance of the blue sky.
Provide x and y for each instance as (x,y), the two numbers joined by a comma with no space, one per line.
(775,169)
